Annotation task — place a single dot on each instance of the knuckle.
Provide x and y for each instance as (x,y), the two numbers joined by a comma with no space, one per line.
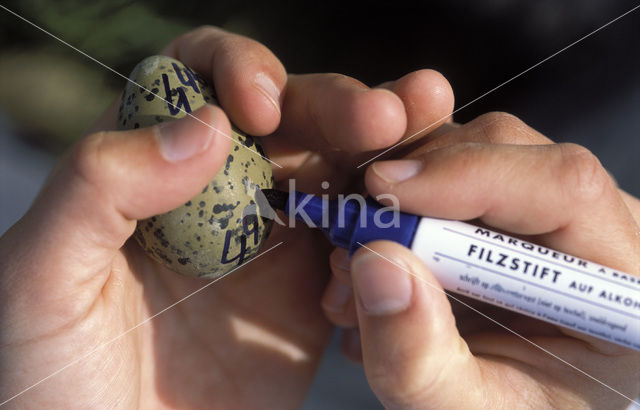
(197,34)
(206,29)
(203,31)
(245,48)
(466,155)
(409,377)
(228,43)
(87,159)
(502,128)
(391,382)
(341,80)
(401,384)
(584,177)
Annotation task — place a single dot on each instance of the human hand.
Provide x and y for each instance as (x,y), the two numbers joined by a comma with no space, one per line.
(72,285)
(421,350)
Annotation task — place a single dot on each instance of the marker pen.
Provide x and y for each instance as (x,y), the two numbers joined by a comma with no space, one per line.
(485,265)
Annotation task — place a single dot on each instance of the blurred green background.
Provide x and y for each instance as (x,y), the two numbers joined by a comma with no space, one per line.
(52,92)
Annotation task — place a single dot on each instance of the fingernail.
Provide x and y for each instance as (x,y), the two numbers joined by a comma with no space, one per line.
(182,139)
(397,170)
(268,88)
(336,296)
(382,287)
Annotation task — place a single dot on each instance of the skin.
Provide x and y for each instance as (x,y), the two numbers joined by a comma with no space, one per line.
(443,354)
(71,279)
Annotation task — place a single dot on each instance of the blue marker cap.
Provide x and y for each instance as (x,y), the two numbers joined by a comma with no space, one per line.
(347,222)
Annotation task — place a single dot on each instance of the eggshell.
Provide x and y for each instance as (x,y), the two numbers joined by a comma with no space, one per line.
(212,233)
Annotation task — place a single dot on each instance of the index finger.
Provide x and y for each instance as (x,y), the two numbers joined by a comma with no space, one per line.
(248,78)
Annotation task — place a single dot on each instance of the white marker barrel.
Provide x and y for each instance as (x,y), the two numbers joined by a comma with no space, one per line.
(531,279)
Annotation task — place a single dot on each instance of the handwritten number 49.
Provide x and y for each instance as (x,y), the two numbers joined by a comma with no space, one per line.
(249,227)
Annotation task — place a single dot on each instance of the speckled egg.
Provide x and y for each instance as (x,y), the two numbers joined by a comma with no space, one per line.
(218,229)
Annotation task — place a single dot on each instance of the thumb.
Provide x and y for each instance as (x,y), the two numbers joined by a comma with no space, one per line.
(412,352)
(90,204)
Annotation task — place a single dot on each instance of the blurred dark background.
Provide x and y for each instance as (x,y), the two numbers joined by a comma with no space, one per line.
(589,94)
